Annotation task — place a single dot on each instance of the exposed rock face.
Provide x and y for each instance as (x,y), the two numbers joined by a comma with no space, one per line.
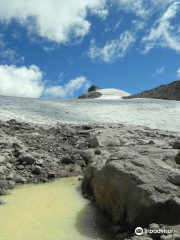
(176,145)
(90,95)
(177,158)
(139,182)
(167,92)
(93,88)
(135,193)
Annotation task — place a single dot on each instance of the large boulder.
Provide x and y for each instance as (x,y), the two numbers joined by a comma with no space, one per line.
(176,145)
(88,156)
(26,158)
(7,184)
(37,170)
(18,179)
(2,159)
(136,191)
(3,192)
(177,158)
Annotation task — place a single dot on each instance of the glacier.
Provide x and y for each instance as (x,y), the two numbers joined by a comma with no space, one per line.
(156,114)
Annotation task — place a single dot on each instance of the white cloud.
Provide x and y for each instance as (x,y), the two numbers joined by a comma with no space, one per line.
(159,71)
(17,35)
(9,54)
(136,6)
(163,33)
(178,73)
(142,8)
(21,81)
(29,82)
(57,20)
(113,50)
(138,25)
(102,13)
(61,76)
(2,43)
(48,49)
(117,25)
(68,89)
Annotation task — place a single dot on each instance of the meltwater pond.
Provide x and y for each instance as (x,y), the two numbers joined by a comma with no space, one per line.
(51,211)
(152,113)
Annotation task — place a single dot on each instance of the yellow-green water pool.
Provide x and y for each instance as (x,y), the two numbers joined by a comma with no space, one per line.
(51,211)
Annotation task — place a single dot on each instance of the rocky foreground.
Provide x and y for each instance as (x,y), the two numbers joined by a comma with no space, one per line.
(132,173)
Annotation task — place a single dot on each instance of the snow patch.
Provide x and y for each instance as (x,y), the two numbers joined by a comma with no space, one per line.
(112,94)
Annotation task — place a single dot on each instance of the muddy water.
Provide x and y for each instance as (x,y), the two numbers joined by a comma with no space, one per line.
(53,211)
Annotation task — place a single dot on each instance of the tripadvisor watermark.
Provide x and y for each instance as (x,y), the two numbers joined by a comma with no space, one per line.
(140,231)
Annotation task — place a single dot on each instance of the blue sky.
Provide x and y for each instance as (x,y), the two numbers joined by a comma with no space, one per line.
(59,48)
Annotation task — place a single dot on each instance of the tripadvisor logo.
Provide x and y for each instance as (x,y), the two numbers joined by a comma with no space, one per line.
(139,231)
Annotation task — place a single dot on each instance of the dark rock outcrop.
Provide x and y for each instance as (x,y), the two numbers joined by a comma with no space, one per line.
(93,88)
(92,93)
(177,158)
(167,92)
(176,145)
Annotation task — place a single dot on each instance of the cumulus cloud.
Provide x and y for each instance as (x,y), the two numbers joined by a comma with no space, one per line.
(68,89)
(57,20)
(29,82)
(113,50)
(163,33)
(21,81)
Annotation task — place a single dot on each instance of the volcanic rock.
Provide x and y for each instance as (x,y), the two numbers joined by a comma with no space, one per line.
(170,91)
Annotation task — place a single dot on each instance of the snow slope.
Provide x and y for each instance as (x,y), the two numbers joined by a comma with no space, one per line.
(152,113)
(112,94)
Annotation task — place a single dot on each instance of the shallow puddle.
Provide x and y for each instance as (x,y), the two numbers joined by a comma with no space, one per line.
(52,211)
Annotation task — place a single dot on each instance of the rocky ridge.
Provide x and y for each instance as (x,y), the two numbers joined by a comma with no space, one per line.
(92,93)
(132,173)
(170,91)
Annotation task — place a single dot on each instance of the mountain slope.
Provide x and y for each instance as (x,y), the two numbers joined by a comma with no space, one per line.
(170,91)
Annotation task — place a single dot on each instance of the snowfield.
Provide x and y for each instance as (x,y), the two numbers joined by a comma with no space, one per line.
(112,94)
(157,114)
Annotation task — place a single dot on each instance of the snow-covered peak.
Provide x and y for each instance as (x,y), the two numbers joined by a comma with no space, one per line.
(112,93)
